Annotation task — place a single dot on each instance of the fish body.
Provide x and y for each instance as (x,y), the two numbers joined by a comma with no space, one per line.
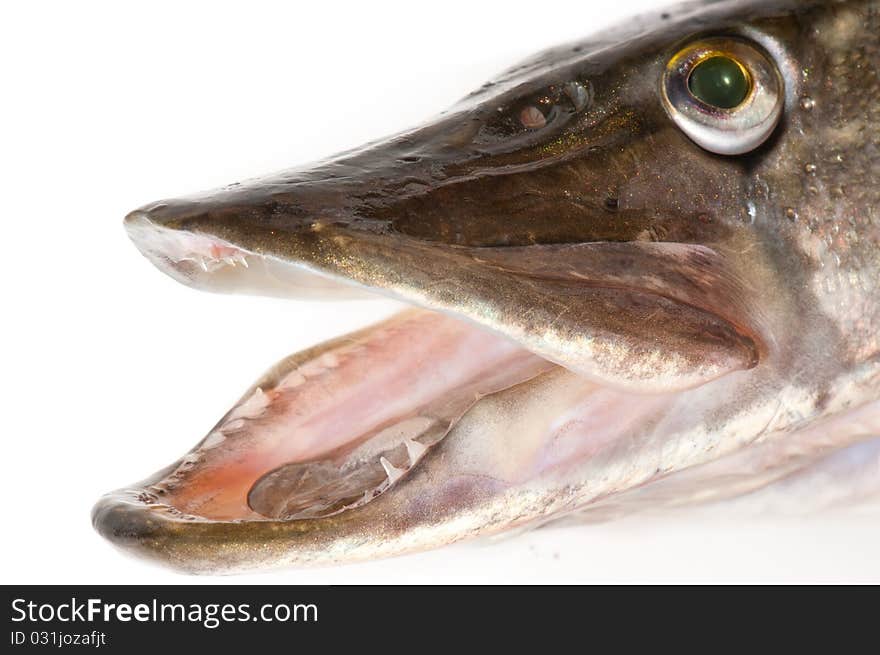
(624,296)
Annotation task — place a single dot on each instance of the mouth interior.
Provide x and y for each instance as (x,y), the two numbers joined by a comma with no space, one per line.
(330,428)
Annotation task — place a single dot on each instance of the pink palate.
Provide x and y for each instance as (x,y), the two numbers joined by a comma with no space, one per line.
(417,364)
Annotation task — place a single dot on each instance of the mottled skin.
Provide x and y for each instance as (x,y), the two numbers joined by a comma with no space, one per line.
(560,238)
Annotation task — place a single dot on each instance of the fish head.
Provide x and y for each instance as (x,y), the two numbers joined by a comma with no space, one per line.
(563,178)
(608,265)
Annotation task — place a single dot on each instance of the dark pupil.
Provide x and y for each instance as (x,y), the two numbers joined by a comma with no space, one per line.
(720,82)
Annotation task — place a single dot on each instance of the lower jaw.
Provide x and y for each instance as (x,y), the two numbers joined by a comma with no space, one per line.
(408,435)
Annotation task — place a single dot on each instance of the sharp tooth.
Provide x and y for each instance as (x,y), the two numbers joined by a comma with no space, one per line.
(203,264)
(229,260)
(414,449)
(391,471)
(251,408)
(242,259)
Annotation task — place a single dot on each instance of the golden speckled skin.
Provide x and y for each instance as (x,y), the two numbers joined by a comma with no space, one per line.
(607,242)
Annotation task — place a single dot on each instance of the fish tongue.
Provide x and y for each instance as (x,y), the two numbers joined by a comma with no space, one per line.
(338,424)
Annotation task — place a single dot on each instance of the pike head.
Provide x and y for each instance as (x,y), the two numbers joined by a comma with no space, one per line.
(635,260)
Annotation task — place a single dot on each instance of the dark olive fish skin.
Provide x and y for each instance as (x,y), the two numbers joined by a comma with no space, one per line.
(599,236)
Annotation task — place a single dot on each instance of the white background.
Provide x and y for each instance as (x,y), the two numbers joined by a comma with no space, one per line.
(110,370)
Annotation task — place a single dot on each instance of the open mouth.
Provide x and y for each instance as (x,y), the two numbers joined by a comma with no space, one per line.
(331,428)
(445,421)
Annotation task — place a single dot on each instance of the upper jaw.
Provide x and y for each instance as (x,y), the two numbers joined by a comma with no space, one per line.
(636,315)
(212,263)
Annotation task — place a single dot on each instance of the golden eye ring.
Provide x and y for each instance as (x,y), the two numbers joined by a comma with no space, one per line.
(725,93)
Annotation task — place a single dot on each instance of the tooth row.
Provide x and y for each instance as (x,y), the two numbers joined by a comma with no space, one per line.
(392,473)
(237,258)
(209,263)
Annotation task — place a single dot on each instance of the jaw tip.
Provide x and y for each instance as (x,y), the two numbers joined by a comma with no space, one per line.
(191,257)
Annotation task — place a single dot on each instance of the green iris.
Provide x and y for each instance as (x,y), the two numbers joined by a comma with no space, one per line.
(719,81)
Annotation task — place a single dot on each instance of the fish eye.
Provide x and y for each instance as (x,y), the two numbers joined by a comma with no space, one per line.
(724,93)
